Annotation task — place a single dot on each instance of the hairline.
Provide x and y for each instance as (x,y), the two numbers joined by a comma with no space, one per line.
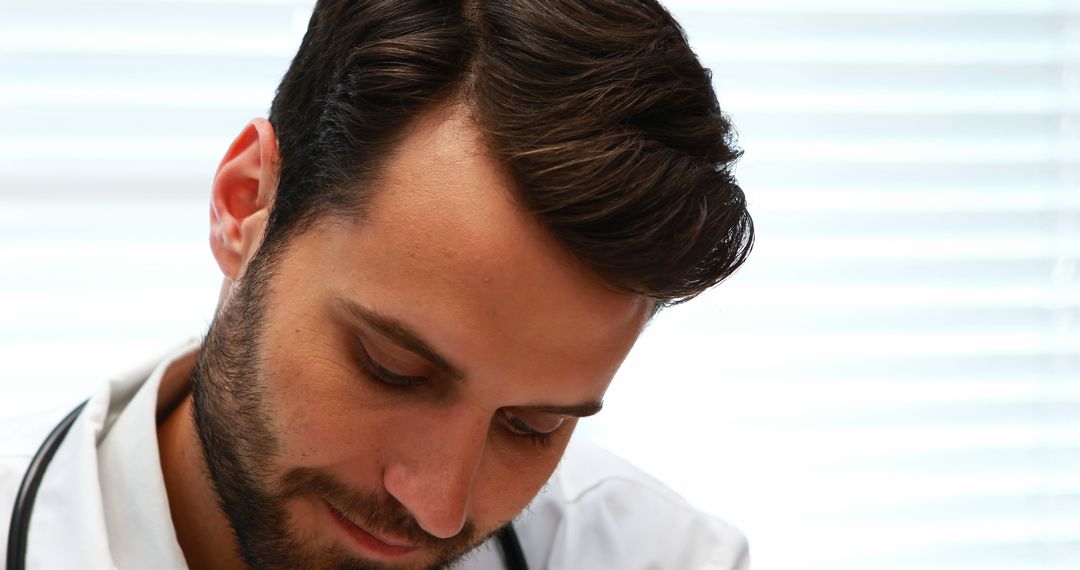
(374,173)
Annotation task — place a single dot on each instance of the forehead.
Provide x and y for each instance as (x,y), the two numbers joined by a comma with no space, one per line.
(445,247)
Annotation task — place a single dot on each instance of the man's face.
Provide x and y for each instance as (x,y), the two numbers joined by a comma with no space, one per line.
(402,387)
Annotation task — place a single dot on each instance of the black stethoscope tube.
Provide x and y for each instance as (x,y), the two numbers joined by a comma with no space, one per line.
(24,500)
(24,504)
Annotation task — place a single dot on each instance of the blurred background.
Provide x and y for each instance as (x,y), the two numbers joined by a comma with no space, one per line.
(892,381)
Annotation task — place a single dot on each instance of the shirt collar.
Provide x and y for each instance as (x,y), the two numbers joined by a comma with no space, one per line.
(137,516)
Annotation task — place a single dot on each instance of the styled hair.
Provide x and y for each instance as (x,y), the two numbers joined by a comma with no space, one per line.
(603,116)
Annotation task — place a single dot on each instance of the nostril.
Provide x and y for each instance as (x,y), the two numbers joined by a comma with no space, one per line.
(438,501)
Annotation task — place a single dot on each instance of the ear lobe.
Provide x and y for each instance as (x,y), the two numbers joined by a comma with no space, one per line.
(243,191)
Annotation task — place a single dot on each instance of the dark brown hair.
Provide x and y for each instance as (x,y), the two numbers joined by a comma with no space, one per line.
(599,109)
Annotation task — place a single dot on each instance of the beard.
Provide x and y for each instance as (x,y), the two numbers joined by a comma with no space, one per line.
(241,450)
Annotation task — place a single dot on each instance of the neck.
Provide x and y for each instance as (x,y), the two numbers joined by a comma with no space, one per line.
(203,531)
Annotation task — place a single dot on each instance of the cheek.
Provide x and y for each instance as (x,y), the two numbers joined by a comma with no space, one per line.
(313,395)
(513,477)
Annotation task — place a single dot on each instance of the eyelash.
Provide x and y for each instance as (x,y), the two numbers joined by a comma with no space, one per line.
(521,429)
(514,425)
(386,377)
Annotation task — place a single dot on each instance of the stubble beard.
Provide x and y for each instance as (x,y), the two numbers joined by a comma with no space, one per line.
(233,424)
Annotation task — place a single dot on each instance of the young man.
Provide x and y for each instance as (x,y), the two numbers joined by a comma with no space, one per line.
(437,252)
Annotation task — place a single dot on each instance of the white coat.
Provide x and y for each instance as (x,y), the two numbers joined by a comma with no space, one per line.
(102,502)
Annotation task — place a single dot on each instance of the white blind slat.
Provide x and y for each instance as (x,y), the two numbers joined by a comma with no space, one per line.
(892,381)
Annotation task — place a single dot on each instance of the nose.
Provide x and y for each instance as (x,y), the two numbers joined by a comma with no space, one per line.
(435,474)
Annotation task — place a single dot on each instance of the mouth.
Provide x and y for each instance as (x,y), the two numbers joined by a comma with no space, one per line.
(368,542)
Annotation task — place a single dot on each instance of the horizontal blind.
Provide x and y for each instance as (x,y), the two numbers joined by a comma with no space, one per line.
(113,116)
(892,381)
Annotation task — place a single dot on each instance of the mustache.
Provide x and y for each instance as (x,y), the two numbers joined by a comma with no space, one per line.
(380,513)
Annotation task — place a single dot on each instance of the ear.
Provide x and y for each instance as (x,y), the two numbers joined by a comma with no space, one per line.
(243,190)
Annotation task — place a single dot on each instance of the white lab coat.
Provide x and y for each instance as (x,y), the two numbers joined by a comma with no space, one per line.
(102,502)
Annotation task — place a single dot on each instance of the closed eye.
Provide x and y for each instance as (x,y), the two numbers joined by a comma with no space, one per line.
(538,435)
(384,375)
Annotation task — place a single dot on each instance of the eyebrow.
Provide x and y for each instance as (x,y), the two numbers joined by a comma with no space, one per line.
(578,410)
(395,331)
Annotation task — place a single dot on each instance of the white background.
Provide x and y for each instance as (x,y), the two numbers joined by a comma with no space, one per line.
(893,379)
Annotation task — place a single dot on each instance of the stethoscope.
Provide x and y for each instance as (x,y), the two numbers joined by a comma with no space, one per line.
(24,504)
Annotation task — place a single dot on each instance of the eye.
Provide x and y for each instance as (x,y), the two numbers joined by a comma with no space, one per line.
(384,375)
(538,435)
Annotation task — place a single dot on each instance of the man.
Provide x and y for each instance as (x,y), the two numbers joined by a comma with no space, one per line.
(436,254)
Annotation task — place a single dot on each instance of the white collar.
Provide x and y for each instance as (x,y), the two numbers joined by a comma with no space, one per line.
(102,502)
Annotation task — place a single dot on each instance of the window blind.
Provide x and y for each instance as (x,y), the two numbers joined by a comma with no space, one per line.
(892,381)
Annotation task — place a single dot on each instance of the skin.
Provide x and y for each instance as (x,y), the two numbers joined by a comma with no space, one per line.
(446,252)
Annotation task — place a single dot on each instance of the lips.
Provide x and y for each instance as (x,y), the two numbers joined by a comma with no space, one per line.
(383,546)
